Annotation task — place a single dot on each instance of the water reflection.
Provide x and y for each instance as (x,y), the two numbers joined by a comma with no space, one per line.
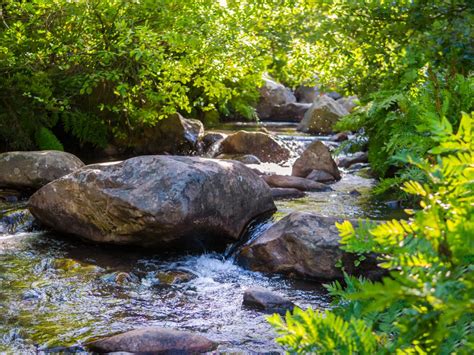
(58,292)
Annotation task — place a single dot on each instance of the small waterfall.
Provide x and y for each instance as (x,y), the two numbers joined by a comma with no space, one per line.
(253,230)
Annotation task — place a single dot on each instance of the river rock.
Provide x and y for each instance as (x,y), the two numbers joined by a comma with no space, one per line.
(349,103)
(173,135)
(334,95)
(211,144)
(322,115)
(295,182)
(340,137)
(243,158)
(31,170)
(316,157)
(16,220)
(173,277)
(264,146)
(307,94)
(267,301)
(162,201)
(347,161)
(292,112)
(301,244)
(320,176)
(281,193)
(273,94)
(211,138)
(154,340)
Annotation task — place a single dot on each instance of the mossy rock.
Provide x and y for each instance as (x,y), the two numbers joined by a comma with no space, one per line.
(174,277)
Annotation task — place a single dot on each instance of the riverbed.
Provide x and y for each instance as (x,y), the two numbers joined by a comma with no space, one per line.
(57,293)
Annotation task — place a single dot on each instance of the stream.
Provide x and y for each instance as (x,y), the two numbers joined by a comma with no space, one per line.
(56,293)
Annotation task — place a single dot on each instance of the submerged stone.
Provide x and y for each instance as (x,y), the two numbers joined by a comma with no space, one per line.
(174,277)
(16,220)
(280,193)
(286,181)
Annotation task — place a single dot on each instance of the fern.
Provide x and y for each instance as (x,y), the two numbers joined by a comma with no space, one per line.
(86,127)
(46,140)
(314,332)
(425,306)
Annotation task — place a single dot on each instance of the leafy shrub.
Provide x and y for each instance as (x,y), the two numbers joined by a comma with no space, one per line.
(402,121)
(102,69)
(426,304)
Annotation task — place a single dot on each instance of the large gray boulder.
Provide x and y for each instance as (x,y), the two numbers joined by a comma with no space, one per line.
(315,157)
(161,201)
(292,112)
(307,94)
(302,245)
(322,115)
(31,170)
(173,135)
(273,94)
(264,146)
(154,340)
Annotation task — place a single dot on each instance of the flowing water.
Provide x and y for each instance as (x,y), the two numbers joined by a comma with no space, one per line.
(56,294)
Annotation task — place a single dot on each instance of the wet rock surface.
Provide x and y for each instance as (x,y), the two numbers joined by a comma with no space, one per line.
(31,170)
(320,176)
(267,301)
(211,143)
(302,245)
(173,277)
(161,201)
(154,340)
(315,157)
(348,161)
(16,220)
(286,181)
(243,158)
(264,146)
